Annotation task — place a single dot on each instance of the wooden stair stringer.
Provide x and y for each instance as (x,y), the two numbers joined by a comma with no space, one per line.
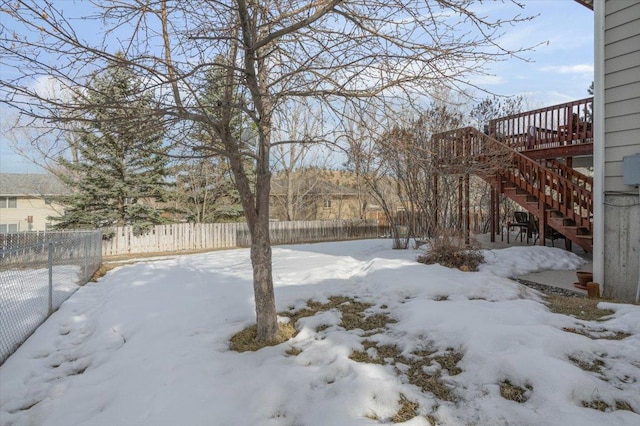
(577,234)
(558,195)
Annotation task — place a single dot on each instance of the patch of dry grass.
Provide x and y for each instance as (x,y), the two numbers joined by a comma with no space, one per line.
(407,411)
(293,351)
(514,393)
(624,405)
(578,307)
(245,340)
(415,374)
(353,313)
(432,420)
(597,404)
(383,353)
(103,269)
(108,266)
(594,366)
(597,334)
(322,327)
(600,405)
(433,382)
(449,361)
(164,254)
(430,383)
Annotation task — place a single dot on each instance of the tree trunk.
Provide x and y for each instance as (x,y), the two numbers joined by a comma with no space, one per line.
(290,210)
(266,316)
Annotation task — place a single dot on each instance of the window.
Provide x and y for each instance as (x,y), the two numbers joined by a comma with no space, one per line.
(10,228)
(327,204)
(8,202)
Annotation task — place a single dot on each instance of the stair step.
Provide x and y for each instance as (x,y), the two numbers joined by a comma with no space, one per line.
(585,236)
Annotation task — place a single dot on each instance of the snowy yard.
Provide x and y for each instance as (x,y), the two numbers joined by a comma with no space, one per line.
(24,300)
(148,344)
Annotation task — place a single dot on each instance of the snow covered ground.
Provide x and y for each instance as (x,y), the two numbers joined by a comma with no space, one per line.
(24,300)
(149,345)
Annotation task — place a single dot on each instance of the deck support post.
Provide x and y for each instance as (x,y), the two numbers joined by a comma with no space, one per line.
(492,215)
(542,222)
(467,203)
(460,201)
(436,213)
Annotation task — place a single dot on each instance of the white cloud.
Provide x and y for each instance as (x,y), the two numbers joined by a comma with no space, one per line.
(49,87)
(555,97)
(569,69)
(486,80)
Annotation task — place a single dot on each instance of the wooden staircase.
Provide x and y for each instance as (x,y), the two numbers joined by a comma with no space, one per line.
(559,196)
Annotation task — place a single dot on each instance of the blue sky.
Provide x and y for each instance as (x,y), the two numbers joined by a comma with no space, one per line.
(559,70)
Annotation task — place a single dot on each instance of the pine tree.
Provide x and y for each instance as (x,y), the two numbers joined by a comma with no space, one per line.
(121,168)
(205,190)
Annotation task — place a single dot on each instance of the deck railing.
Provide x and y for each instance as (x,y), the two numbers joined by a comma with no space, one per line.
(549,127)
(467,150)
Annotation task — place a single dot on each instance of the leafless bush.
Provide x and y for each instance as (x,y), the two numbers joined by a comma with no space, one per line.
(449,250)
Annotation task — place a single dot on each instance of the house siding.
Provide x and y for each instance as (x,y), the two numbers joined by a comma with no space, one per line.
(29,206)
(620,79)
(622,88)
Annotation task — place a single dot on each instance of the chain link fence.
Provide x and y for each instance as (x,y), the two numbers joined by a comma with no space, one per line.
(39,271)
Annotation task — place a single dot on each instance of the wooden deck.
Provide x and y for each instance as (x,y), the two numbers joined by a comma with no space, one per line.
(529,146)
(557,131)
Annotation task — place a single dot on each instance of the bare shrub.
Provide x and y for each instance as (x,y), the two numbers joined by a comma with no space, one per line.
(450,251)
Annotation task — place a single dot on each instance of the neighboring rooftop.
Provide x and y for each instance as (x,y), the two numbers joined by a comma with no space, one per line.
(318,186)
(586,3)
(33,184)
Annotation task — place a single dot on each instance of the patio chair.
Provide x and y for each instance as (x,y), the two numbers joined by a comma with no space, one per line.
(520,221)
(549,233)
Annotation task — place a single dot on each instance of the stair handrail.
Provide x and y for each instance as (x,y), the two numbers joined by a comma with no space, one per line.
(556,191)
(570,172)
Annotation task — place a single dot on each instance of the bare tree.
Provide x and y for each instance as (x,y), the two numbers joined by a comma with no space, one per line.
(408,152)
(272,52)
(369,161)
(297,159)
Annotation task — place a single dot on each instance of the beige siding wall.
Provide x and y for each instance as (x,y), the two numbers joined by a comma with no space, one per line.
(622,88)
(29,206)
(341,208)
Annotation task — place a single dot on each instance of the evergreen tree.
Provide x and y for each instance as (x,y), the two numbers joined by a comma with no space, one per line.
(121,167)
(205,190)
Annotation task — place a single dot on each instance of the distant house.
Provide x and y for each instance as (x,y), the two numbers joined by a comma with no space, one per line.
(316,199)
(27,200)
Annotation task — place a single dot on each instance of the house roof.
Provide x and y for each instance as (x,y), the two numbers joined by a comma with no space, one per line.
(586,3)
(33,184)
(320,187)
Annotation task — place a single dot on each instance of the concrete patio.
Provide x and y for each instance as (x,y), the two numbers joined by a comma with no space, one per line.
(561,279)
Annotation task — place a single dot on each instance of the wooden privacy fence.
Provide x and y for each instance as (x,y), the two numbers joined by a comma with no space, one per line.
(202,236)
